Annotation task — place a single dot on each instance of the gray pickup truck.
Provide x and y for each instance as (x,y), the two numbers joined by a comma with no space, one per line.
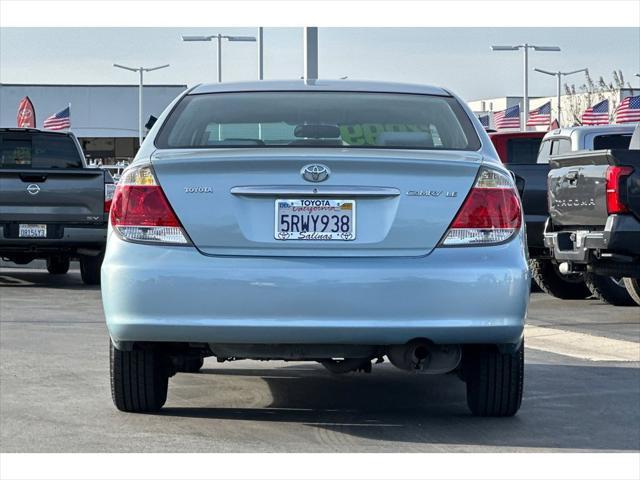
(594,224)
(52,206)
(544,268)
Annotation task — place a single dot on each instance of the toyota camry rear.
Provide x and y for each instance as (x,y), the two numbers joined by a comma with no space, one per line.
(344,223)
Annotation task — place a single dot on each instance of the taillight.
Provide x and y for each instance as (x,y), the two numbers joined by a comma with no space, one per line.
(490,214)
(109,188)
(614,176)
(141,212)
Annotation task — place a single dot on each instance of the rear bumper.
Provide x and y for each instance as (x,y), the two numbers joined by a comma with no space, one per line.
(91,237)
(620,235)
(453,295)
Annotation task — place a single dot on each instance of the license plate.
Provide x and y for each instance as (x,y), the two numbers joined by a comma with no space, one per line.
(30,230)
(315,219)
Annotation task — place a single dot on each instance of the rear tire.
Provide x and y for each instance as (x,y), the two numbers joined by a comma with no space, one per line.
(90,269)
(551,281)
(633,287)
(494,380)
(608,290)
(139,380)
(58,265)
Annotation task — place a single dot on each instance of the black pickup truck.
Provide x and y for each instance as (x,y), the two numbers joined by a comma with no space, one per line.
(594,207)
(52,206)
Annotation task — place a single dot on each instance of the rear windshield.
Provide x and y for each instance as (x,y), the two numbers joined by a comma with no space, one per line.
(523,150)
(607,142)
(38,150)
(318,119)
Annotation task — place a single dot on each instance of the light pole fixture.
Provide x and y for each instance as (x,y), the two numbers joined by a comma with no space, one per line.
(525,48)
(219,38)
(560,75)
(141,71)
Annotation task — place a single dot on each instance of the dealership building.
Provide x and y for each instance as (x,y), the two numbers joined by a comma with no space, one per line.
(103,117)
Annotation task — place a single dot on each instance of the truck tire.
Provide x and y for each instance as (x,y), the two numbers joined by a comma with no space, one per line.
(90,269)
(494,380)
(567,287)
(609,289)
(633,287)
(139,379)
(58,264)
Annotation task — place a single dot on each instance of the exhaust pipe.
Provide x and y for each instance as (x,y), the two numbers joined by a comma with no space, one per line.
(423,356)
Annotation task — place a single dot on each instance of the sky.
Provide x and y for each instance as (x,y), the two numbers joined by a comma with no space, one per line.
(457,58)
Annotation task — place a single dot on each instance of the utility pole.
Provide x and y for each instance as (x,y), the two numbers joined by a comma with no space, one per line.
(310,53)
(261,53)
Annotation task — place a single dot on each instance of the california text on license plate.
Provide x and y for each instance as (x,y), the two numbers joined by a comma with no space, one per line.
(31,230)
(315,219)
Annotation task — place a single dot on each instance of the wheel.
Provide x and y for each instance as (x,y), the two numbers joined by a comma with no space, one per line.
(633,287)
(546,275)
(139,380)
(58,265)
(610,290)
(90,269)
(192,365)
(567,287)
(494,380)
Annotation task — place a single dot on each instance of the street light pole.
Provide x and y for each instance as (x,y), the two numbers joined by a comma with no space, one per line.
(559,90)
(219,37)
(140,71)
(261,53)
(525,100)
(525,47)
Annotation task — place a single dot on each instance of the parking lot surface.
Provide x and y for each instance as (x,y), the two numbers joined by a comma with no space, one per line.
(582,387)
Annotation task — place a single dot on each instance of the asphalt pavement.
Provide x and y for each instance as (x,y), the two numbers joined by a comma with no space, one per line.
(55,394)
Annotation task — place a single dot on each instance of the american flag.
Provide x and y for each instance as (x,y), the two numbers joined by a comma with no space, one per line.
(540,116)
(509,118)
(628,110)
(59,121)
(596,115)
(484,120)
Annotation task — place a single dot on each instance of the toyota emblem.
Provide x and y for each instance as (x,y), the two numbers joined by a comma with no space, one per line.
(315,173)
(33,189)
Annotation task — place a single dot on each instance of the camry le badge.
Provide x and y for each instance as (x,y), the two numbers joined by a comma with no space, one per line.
(33,189)
(431,193)
(315,173)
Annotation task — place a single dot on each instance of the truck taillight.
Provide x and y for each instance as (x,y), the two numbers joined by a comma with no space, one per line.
(490,214)
(614,177)
(141,211)
(109,189)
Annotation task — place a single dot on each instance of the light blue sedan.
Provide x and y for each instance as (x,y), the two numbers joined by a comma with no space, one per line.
(332,221)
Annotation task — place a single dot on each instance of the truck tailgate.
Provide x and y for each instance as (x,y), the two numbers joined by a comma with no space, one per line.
(52,195)
(577,184)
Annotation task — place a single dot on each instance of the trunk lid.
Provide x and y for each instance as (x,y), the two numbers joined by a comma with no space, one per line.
(404,201)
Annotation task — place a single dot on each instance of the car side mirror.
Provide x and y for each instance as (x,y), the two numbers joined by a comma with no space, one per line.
(151,122)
